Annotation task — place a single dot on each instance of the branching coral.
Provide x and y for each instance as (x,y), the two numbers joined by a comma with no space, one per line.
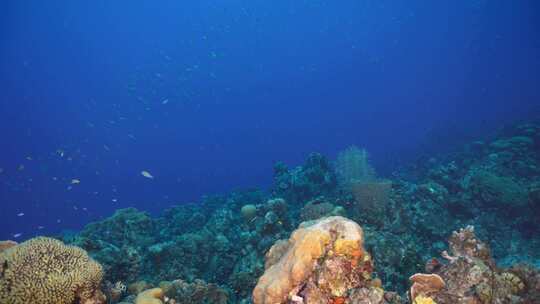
(44,270)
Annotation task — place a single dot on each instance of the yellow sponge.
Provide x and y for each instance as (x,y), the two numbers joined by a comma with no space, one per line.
(150,296)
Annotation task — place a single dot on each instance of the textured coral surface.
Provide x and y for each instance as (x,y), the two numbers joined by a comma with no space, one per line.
(322,260)
(470,276)
(45,271)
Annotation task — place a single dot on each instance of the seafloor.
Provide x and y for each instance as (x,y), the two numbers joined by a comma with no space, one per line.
(214,251)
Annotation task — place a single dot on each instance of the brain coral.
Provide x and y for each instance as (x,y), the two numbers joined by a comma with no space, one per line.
(290,264)
(44,270)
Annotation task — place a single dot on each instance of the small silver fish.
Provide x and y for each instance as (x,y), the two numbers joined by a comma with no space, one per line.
(20,214)
(147,174)
(16,235)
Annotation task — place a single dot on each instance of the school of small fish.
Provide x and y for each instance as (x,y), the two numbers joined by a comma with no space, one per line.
(74,184)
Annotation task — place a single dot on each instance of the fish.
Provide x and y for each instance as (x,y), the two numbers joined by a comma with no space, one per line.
(16,235)
(165,101)
(75,181)
(114,200)
(40,227)
(20,214)
(147,174)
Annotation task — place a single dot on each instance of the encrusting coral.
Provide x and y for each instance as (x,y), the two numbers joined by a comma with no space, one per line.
(425,285)
(321,263)
(44,270)
(470,276)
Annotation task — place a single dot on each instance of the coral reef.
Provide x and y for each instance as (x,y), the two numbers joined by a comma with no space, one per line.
(315,178)
(322,262)
(44,270)
(471,276)
(198,291)
(318,208)
(223,240)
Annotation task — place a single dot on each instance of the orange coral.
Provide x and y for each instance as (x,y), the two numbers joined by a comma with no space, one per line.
(299,255)
(356,255)
(338,300)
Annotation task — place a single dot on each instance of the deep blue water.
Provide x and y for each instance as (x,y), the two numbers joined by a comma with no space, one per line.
(207,95)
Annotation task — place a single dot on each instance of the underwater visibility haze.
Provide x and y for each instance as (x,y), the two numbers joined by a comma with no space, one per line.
(177,144)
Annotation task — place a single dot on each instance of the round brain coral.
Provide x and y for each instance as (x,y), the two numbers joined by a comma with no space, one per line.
(44,270)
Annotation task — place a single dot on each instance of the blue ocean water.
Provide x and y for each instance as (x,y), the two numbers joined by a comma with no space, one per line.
(207,95)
